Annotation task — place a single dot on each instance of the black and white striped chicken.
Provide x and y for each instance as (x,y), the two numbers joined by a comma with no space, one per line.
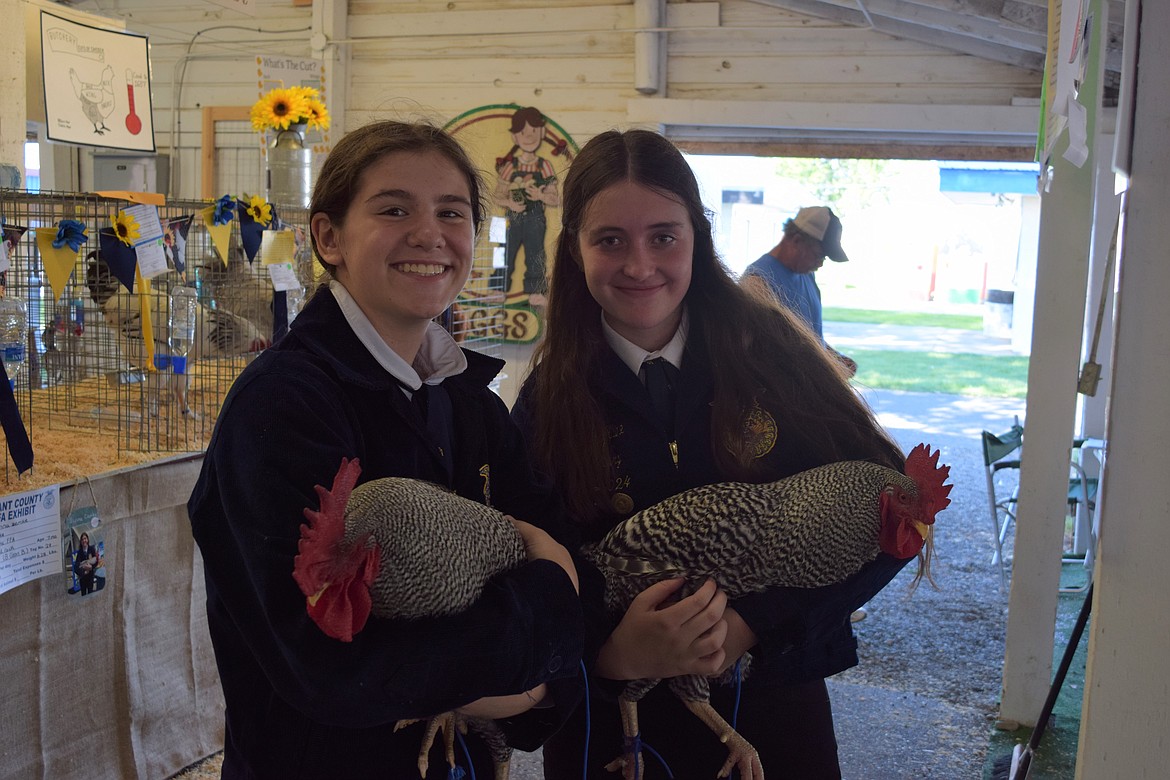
(403,549)
(377,548)
(219,333)
(812,529)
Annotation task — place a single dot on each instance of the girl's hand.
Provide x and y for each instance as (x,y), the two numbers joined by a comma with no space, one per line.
(657,639)
(540,546)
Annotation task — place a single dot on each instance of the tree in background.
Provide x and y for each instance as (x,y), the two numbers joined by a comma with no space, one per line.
(839,183)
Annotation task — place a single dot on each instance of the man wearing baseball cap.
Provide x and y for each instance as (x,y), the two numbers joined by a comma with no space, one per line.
(788,270)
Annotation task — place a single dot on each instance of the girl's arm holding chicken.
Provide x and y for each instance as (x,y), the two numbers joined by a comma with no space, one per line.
(393,218)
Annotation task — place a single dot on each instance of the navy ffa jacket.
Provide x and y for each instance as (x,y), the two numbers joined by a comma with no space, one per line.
(804,633)
(299,703)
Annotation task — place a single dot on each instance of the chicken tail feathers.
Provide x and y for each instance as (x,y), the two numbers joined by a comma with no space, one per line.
(335,579)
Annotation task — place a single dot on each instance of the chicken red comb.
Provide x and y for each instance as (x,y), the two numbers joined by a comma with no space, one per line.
(923,468)
(335,580)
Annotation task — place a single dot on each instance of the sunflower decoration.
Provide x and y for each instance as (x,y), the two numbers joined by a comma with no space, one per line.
(256,215)
(259,209)
(318,115)
(126,228)
(280,108)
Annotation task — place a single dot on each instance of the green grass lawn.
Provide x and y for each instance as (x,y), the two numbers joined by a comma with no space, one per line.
(880,316)
(935,372)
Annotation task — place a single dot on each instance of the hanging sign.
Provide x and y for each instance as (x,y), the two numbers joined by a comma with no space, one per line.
(97,86)
(30,536)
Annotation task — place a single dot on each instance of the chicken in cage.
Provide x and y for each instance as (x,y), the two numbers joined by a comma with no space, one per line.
(218,332)
(237,287)
(90,366)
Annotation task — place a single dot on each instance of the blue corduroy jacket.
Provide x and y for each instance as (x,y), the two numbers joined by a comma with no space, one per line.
(299,703)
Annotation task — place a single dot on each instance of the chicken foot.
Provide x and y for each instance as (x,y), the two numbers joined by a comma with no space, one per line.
(448,722)
(741,754)
(629,763)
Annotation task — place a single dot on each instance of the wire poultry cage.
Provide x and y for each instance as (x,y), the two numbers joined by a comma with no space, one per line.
(92,374)
(98,359)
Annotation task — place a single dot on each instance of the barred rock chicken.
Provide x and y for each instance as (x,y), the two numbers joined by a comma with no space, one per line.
(809,530)
(379,549)
(218,332)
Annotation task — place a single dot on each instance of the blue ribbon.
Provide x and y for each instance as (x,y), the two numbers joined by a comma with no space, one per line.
(19,446)
(70,233)
(224,210)
(279,315)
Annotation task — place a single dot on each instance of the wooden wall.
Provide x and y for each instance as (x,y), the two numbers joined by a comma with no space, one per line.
(574,59)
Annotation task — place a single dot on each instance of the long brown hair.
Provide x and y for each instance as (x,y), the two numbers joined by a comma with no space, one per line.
(757,352)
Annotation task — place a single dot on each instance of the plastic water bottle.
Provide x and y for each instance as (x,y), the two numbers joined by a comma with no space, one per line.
(13,336)
(184,309)
(295,299)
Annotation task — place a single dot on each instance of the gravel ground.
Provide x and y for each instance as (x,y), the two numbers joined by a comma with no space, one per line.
(924,698)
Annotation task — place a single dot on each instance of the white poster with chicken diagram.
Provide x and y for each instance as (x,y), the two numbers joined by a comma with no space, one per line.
(97,86)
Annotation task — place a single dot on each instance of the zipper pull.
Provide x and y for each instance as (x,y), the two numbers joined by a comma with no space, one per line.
(674,453)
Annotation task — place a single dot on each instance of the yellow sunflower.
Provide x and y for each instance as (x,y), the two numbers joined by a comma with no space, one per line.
(308,93)
(278,109)
(318,116)
(125,228)
(259,209)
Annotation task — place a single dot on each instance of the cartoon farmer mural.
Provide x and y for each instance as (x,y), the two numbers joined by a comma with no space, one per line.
(526,184)
(505,295)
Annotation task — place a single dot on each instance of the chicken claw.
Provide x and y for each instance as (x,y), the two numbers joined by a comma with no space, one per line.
(741,753)
(448,722)
(630,762)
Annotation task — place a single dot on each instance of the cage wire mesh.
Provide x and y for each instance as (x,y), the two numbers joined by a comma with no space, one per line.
(89,368)
(239,158)
(477,317)
(89,371)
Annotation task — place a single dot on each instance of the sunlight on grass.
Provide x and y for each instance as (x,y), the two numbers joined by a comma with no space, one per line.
(922,318)
(936,372)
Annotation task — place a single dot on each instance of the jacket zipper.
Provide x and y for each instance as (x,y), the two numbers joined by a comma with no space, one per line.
(674,452)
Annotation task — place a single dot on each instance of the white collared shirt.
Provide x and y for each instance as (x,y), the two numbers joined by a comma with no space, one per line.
(439,356)
(634,356)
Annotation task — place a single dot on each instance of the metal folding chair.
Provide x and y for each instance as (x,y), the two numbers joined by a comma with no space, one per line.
(1002,452)
(1082,491)
(1002,509)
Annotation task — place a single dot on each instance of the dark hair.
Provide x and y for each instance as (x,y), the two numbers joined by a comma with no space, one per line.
(358,150)
(758,352)
(527,116)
